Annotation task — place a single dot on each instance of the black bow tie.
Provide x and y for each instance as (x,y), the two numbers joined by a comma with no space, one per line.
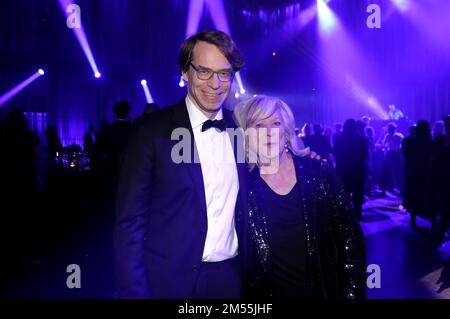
(218,124)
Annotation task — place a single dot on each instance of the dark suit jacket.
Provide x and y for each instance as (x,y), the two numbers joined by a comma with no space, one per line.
(161,220)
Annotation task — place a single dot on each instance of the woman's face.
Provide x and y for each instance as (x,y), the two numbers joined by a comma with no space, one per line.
(267,137)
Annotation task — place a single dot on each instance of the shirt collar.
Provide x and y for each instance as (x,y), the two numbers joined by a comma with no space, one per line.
(196,117)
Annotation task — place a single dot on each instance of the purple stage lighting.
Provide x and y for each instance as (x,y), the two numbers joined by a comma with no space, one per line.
(239,82)
(219,15)
(327,19)
(347,69)
(294,21)
(195,13)
(307,15)
(79,34)
(148,96)
(361,95)
(216,10)
(430,18)
(15,90)
(402,5)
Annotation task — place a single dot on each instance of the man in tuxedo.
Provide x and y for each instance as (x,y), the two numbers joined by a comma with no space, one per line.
(180,227)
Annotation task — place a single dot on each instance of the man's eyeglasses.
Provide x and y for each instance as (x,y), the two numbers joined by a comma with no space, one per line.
(206,74)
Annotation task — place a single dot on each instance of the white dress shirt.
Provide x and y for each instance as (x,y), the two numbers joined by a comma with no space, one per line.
(221,183)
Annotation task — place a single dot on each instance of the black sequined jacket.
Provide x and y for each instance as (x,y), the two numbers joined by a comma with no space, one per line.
(335,262)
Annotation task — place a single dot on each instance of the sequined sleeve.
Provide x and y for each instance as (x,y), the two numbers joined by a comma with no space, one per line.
(348,233)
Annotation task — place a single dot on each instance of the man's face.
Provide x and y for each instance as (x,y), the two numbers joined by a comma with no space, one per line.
(207,95)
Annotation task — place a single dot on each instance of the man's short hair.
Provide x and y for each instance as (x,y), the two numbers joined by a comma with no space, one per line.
(220,39)
(122,110)
(317,128)
(392,124)
(446,118)
(392,127)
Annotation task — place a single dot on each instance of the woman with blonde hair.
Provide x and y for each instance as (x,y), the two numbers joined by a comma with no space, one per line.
(306,240)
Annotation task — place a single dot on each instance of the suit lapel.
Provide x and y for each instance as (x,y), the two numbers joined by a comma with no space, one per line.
(181,119)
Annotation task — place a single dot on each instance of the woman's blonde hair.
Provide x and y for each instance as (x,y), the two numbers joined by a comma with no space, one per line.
(261,107)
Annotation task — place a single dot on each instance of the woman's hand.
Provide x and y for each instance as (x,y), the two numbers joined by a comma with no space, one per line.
(315,156)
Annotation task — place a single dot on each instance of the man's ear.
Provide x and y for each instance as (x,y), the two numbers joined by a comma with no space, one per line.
(185,76)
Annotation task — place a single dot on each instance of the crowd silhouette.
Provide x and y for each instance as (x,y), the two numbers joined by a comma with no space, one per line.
(54,216)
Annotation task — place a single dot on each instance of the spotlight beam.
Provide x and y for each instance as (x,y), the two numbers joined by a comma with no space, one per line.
(360,94)
(15,90)
(327,19)
(82,39)
(239,82)
(148,96)
(195,13)
(218,15)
